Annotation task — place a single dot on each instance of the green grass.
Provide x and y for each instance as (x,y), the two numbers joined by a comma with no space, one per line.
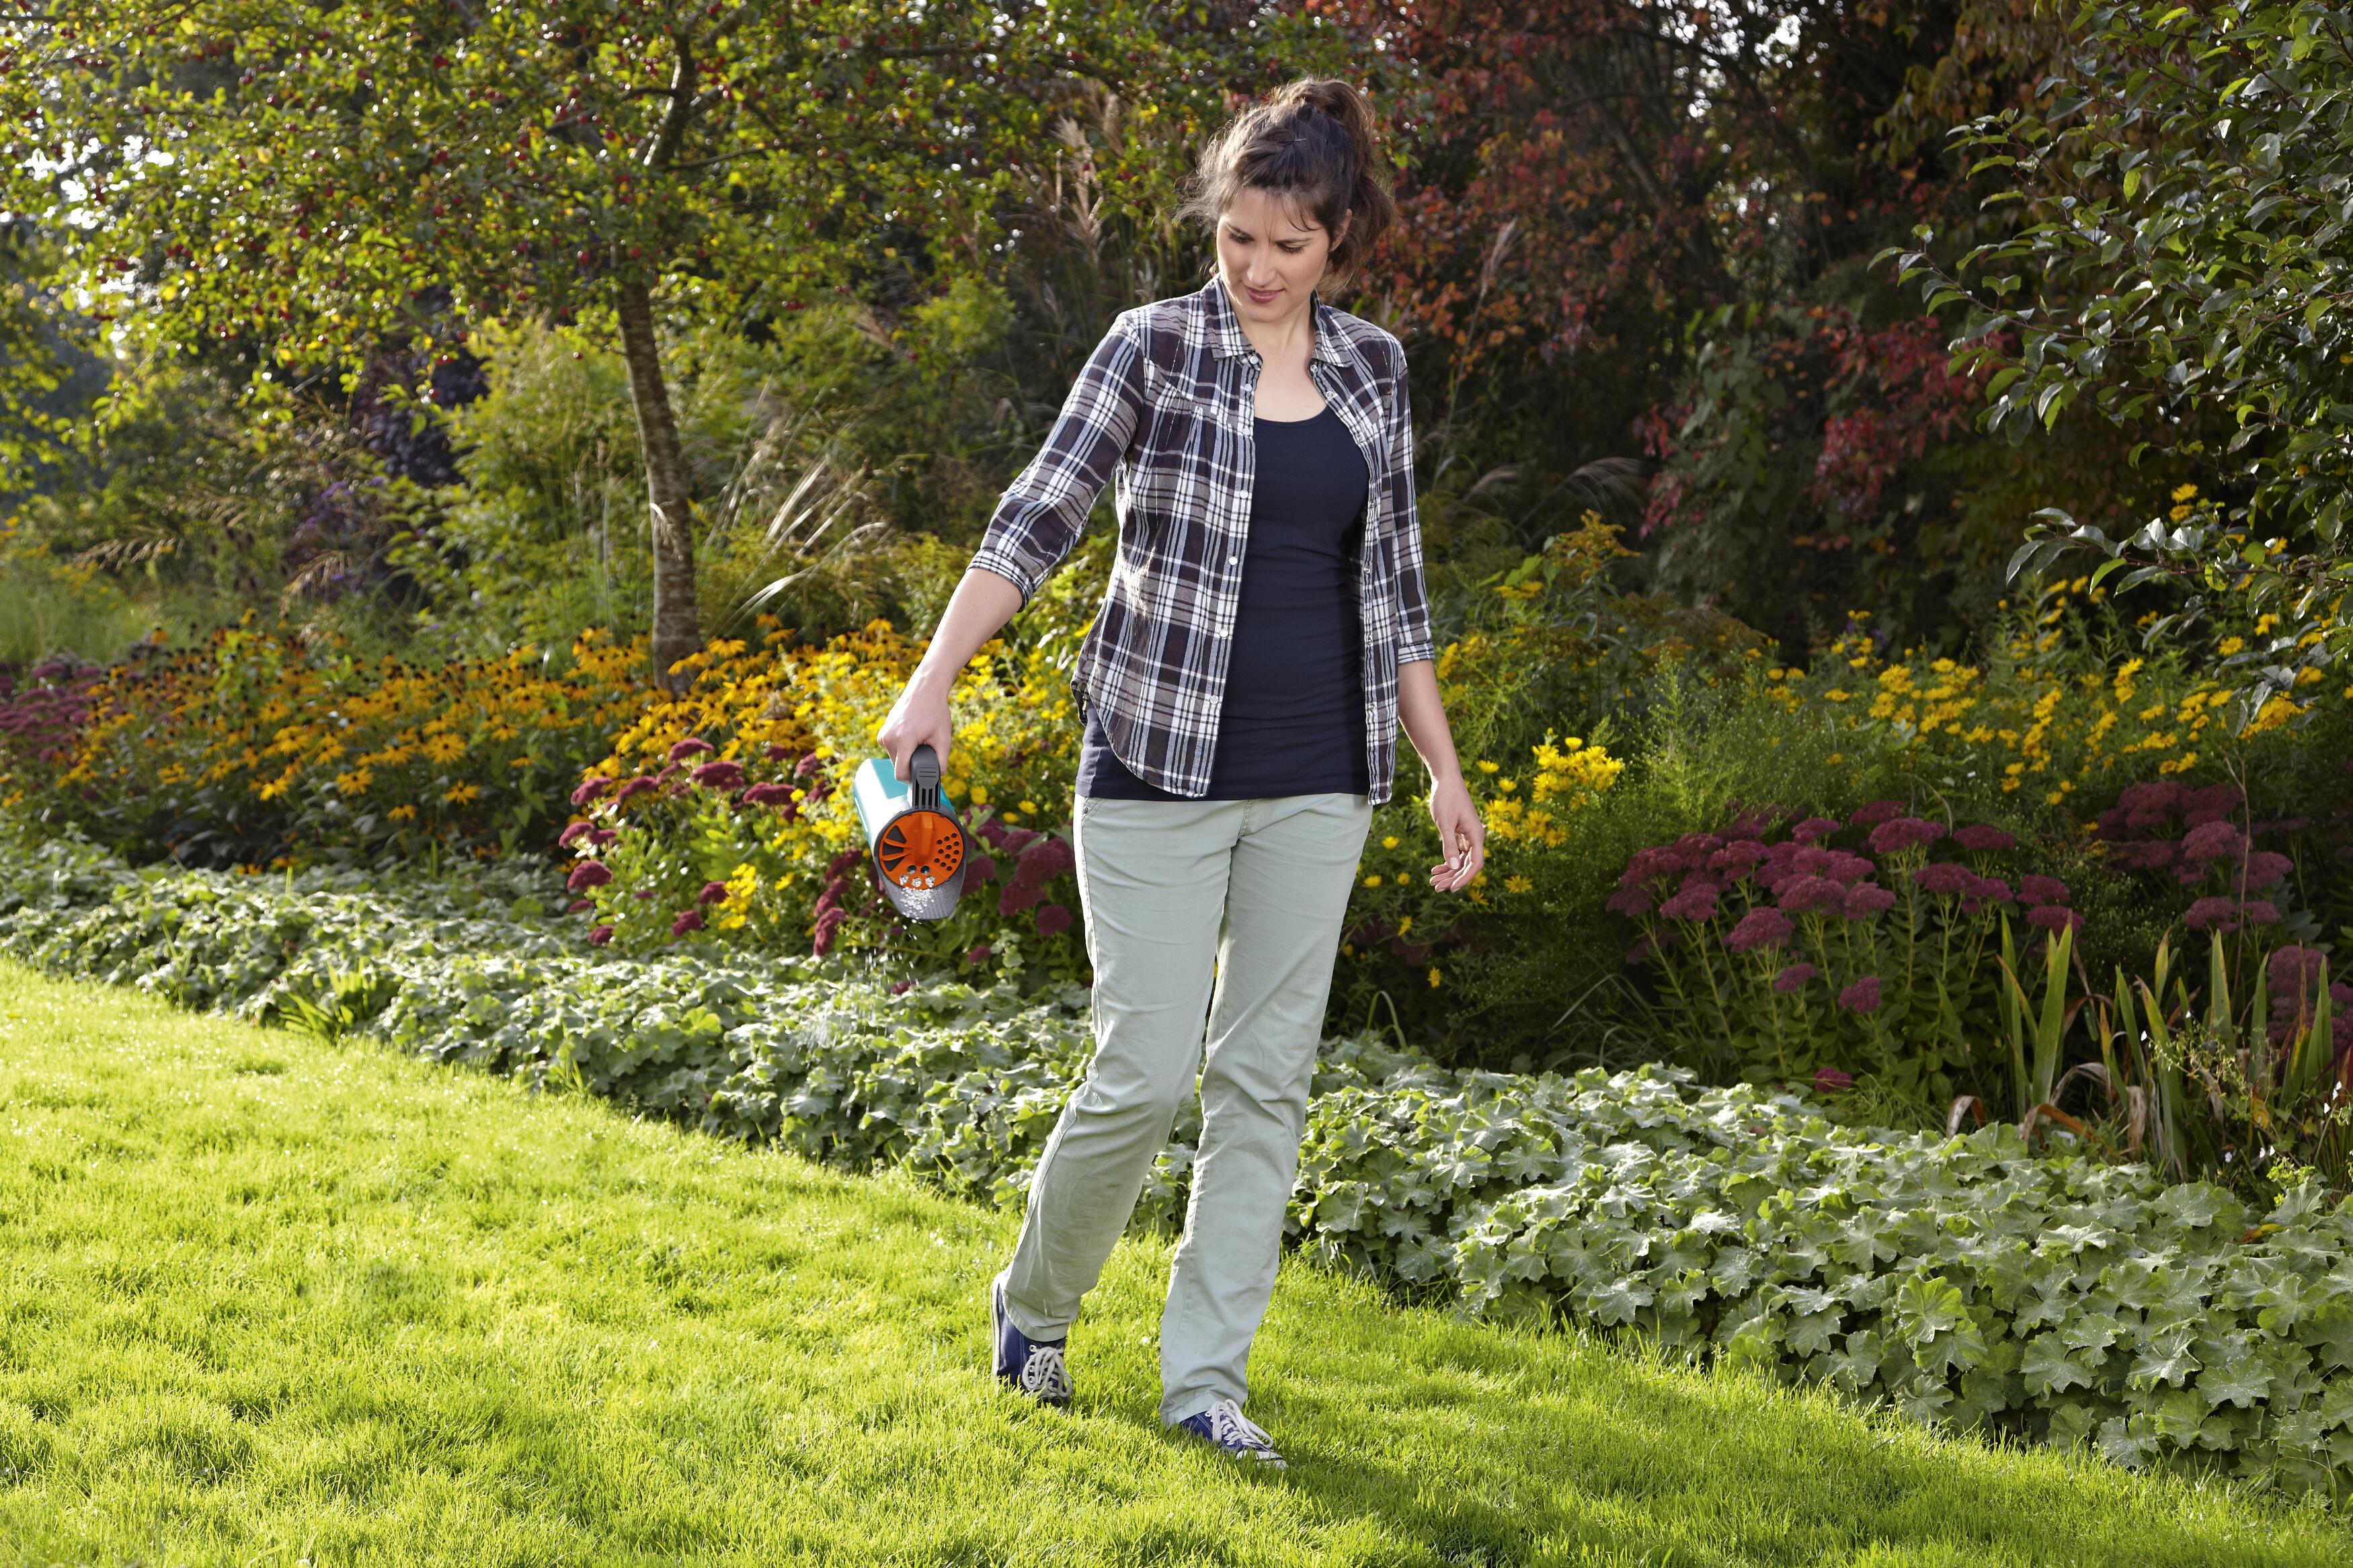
(268,1299)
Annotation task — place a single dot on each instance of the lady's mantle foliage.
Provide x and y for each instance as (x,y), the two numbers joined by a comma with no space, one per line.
(1962,1278)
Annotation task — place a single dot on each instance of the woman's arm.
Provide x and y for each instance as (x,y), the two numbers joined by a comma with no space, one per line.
(1462,837)
(1037,520)
(983,600)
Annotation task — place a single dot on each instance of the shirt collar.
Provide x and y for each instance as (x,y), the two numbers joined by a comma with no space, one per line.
(1227,337)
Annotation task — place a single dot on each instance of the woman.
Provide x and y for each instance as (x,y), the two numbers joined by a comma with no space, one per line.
(1264,634)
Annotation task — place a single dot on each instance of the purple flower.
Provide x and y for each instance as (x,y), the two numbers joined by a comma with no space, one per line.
(687,920)
(828,923)
(1829,1080)
(1814,830)
(1840,867)
(1980,838)
(1862,996)
(805,766)
(719,776)
(1695,902)
(1634,902)
(1053,920)
(1018,895)
(980,954)
(586,875)
(2263,868)
(1647,864)
(1044,860)
(1877,812)
(1944,879)
(632,788)
(2040,889)
(600,837)
(2213,841)
(579,906)
(692,746)
(768,794)
(2053,918)
(2292,971)
(1759,928)
(1736,859)
(713,893)
(981,869)
(2147,854)
(1813,895)
(1868,902)
(600,935)
(2260,912)
(1794,978)
(590,788)
(571,835)
(776,752)
(900,987)
(2213,913)
(1903,833)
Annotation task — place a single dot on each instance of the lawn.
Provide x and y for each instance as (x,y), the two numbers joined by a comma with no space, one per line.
(272,1301)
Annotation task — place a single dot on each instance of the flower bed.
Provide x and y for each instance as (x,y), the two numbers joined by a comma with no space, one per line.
(1963,1279)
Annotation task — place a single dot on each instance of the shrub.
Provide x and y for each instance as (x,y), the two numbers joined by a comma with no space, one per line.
(262,748)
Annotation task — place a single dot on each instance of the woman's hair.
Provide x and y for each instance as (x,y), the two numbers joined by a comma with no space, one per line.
(1313,141)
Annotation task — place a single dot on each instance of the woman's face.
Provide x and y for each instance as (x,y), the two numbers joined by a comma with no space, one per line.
(1271,253)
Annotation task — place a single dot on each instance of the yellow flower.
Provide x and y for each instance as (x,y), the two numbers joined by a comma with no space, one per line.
(1518,885)
(1372,881)
(461,793)
(403,812)
(1389,842)
(1488,767)
(1434,980)
(355,782)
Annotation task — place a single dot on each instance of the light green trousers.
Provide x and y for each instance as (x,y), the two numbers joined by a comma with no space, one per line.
(1224,913)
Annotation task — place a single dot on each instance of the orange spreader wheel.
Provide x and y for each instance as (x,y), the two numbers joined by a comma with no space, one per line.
(920,849)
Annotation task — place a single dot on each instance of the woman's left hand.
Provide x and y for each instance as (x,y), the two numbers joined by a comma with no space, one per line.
(1462,837)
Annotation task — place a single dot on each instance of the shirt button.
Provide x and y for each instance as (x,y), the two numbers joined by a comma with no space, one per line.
(1234,560)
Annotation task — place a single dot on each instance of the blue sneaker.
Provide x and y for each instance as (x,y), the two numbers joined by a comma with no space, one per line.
(1224,1427)
(1033,1367)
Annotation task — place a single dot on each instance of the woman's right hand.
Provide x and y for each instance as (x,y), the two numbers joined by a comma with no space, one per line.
(919,718)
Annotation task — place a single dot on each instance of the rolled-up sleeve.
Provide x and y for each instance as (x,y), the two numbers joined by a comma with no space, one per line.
(1405,520)
(1041,513)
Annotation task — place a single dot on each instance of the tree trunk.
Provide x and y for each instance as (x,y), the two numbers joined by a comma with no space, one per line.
(677,631)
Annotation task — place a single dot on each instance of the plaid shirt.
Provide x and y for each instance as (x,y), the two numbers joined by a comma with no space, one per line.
(1166,405)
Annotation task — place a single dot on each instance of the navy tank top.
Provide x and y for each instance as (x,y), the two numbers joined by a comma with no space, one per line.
(1293,717)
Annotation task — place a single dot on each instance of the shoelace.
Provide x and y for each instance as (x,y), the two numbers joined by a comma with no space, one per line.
(1230,1428)
(1044,1375)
